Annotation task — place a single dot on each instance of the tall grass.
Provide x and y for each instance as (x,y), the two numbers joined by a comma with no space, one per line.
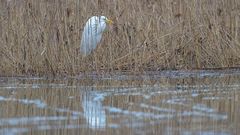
(42,37)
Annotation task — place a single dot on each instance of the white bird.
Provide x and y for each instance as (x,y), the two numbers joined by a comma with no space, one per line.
(92,33)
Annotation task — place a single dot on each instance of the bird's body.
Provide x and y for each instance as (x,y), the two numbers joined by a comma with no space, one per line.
(92,33)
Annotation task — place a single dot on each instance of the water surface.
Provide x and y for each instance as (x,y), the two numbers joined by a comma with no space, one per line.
(167,102)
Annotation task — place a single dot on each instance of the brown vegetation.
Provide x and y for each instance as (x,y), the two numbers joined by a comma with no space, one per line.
(41,37)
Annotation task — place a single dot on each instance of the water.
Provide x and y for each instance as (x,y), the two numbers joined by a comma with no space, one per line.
(167,102)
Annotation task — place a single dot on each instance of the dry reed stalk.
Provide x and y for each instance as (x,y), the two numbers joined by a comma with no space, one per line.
(43,37)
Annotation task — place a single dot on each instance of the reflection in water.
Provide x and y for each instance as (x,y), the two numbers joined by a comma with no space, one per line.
(93,110)
(171,103)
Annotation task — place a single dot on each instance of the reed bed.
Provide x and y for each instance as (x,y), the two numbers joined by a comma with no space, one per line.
(42,37)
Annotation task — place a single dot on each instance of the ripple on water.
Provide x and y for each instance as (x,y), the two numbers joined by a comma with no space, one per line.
(171,105)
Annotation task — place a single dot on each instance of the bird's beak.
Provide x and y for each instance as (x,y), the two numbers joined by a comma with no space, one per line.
(109,21)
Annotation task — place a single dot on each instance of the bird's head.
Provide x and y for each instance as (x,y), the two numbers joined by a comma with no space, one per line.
(106,20)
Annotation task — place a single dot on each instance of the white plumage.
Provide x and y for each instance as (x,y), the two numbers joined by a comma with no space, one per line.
(92,33)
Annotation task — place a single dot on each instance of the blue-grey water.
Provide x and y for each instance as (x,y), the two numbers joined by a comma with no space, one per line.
(166,102)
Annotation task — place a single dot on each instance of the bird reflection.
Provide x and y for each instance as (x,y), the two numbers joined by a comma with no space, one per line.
(93,111)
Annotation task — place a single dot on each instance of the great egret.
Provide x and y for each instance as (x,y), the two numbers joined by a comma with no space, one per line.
(92,33)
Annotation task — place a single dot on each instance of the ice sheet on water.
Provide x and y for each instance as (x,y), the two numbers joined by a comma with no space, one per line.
(163,110)
(203,108)
(205,133)
(36,120)
(13,131)
(140,115)
(36,102)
